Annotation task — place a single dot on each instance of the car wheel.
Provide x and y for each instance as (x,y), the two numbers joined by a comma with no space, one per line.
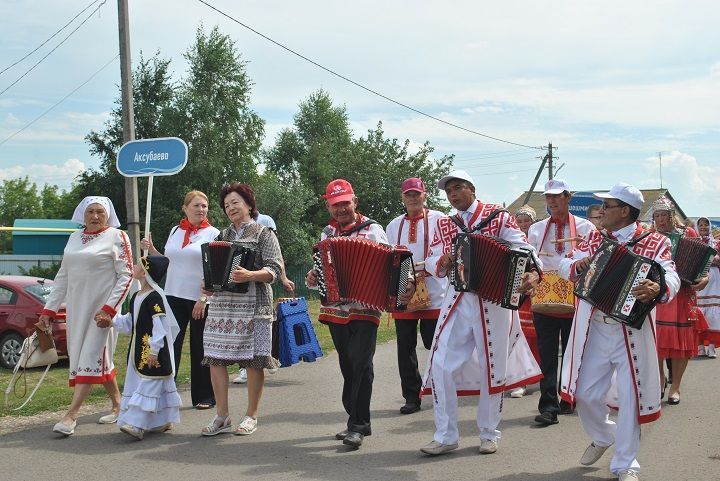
(10,350)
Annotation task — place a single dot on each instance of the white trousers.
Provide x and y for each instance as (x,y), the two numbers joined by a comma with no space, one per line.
(462,334)
(605,354)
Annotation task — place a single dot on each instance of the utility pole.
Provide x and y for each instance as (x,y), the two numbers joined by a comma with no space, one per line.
(547,159)
(128,123)
(660,157)
(550,161)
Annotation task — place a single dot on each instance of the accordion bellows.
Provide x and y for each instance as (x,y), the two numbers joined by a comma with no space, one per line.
(608,282)
(692,257)
(352,269)
(219,259)
(490,267)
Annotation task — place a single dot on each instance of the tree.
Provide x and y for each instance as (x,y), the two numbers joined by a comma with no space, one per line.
(378,166)
(18,200)
(287,204)
(310,152)
(209,109)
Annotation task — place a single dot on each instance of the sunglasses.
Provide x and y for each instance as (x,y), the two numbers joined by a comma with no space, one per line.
(606,206)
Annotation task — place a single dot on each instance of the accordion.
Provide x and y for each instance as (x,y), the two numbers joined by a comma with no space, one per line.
(692,257)
(352,269)
(219,259)
(490,267)
(608,282)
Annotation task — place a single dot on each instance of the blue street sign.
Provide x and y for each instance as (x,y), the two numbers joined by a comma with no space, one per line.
(141,158)
(580,202)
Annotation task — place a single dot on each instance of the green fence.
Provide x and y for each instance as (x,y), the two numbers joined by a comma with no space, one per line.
(297,275)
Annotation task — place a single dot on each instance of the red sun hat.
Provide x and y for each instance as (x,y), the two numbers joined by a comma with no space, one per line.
(413,183)
(339,190)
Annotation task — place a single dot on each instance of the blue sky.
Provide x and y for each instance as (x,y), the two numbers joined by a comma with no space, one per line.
(609,84)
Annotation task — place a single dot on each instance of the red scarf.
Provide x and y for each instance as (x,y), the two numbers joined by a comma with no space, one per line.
(191,229)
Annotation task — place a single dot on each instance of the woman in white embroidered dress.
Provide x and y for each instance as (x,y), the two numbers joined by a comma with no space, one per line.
(94,279)
(238,329)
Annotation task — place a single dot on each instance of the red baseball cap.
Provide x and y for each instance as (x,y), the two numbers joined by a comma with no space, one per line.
(413,183)
(339,190)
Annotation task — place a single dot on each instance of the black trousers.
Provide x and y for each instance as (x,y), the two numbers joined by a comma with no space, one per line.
(355,345)
(550,331)
(200,386)
(406,336)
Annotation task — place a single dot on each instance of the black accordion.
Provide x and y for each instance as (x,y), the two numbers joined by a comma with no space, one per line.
(608,282)
(692,257)
(352,269)
(219,259)
(490,267)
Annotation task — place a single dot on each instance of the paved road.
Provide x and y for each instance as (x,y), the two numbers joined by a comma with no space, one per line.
(301,411)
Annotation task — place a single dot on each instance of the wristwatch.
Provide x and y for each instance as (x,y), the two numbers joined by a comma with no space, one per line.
(203,299)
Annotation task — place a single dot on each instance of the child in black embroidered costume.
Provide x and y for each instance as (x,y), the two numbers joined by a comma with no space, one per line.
(150,401)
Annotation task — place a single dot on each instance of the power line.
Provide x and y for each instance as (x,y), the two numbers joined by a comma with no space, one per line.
(61,100)
(50,38)
(505,162)
(357,84)
(505,172)
(55,48)
(489,154)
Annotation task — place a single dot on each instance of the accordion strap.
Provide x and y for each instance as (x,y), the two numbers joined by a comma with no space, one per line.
(481,225)
(637,239)
(356,228)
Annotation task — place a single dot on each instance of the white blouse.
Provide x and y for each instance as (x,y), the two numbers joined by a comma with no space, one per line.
(185,273)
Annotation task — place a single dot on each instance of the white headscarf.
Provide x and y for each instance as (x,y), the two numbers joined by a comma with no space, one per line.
(79,214)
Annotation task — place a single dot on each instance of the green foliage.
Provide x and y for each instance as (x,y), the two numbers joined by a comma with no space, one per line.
(209,109)
(48,272)
(21,199)
(320,148)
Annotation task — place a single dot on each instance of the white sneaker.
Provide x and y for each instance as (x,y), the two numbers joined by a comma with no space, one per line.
(518,392)
(711,351)
(133,431)
(701,351)
(628,475)
(487,446)
(435,448)
(272,371)
(241,377)
(592,454)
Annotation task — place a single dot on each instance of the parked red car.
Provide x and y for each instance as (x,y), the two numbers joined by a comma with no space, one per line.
(22,299)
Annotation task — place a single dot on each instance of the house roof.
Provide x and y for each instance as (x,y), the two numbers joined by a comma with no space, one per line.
(537,202)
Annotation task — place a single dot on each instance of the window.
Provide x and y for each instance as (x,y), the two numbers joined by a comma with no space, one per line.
(7,296)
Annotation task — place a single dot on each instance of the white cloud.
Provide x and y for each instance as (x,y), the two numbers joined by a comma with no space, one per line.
(61,175)
(688,180)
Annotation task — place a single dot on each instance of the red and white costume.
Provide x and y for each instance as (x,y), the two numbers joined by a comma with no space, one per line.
(611,363)
(678,322)
(479,348)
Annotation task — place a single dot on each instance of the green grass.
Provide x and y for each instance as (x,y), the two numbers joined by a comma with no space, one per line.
(55,395)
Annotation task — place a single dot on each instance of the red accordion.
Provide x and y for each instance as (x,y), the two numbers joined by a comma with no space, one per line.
(352,269)
(219,259)
(608,282)
(490,267)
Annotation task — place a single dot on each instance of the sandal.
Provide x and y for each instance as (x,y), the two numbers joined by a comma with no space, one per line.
(219,424)
(246,427)
(205,405)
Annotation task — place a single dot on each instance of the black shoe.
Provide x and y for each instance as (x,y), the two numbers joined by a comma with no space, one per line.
(341,435)
(566,408)
(546,419)
(353,439)
(410,408)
